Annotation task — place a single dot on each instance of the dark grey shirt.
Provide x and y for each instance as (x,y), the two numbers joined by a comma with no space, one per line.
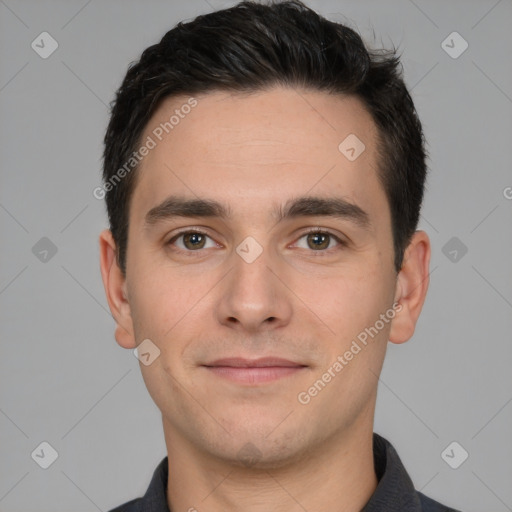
(394,493)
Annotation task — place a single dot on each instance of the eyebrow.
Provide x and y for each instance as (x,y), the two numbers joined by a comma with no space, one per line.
(306,206)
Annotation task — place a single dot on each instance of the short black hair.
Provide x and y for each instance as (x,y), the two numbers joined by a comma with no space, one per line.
(249,48)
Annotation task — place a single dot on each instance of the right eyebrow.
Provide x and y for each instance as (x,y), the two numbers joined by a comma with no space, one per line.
(175,206)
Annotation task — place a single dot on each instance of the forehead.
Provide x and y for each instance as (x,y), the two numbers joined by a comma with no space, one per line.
(254,151)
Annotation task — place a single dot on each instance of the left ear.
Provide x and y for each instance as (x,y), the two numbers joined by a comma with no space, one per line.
(411,287)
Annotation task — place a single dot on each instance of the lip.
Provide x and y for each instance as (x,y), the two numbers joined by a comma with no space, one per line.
(253,371)
(262,362)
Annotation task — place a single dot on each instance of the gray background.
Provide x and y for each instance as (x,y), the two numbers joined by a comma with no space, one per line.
(64,379)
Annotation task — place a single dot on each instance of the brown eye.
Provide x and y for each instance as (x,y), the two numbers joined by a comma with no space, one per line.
(320,241)
(191,241)
(194,240)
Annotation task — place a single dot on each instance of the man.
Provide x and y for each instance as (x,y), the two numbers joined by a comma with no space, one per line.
(264,175)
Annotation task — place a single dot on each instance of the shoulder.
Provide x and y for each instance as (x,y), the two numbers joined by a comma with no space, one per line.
(129,506)
(430,505)
(155,499)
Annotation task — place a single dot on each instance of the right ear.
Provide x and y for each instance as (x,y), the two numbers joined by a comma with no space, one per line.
(114,283)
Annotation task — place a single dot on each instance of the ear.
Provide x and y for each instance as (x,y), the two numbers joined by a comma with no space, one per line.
(411,287)
(114,283)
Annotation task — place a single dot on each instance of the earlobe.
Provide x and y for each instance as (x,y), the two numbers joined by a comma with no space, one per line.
(114,283)
(411,287)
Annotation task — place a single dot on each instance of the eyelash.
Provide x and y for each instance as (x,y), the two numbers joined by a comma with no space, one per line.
(318,231)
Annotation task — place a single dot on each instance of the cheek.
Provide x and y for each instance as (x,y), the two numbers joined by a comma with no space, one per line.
(155,305)
(169,309)
(348,302)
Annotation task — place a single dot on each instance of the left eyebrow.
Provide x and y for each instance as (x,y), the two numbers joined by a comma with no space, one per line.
(306,206)
(337,207)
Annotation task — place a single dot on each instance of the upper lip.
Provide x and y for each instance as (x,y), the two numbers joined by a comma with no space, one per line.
(240,362)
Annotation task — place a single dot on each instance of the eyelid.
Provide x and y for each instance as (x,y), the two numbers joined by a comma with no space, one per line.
(184,231)
(324,231)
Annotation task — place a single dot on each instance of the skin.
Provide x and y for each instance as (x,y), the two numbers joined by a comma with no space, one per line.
(294,301)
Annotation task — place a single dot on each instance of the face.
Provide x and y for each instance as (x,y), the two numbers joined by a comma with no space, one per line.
(262,273)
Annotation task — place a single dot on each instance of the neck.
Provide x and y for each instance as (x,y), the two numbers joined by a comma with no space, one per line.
(338,475)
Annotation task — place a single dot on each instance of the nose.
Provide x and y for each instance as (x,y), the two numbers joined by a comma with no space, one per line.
(253,296)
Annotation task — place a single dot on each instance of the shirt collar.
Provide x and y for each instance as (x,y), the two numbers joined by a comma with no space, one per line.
(395,490)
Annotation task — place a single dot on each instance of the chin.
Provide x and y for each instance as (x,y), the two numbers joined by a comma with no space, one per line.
(271,450)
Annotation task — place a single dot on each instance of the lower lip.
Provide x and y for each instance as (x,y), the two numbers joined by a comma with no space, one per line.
(254,375)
